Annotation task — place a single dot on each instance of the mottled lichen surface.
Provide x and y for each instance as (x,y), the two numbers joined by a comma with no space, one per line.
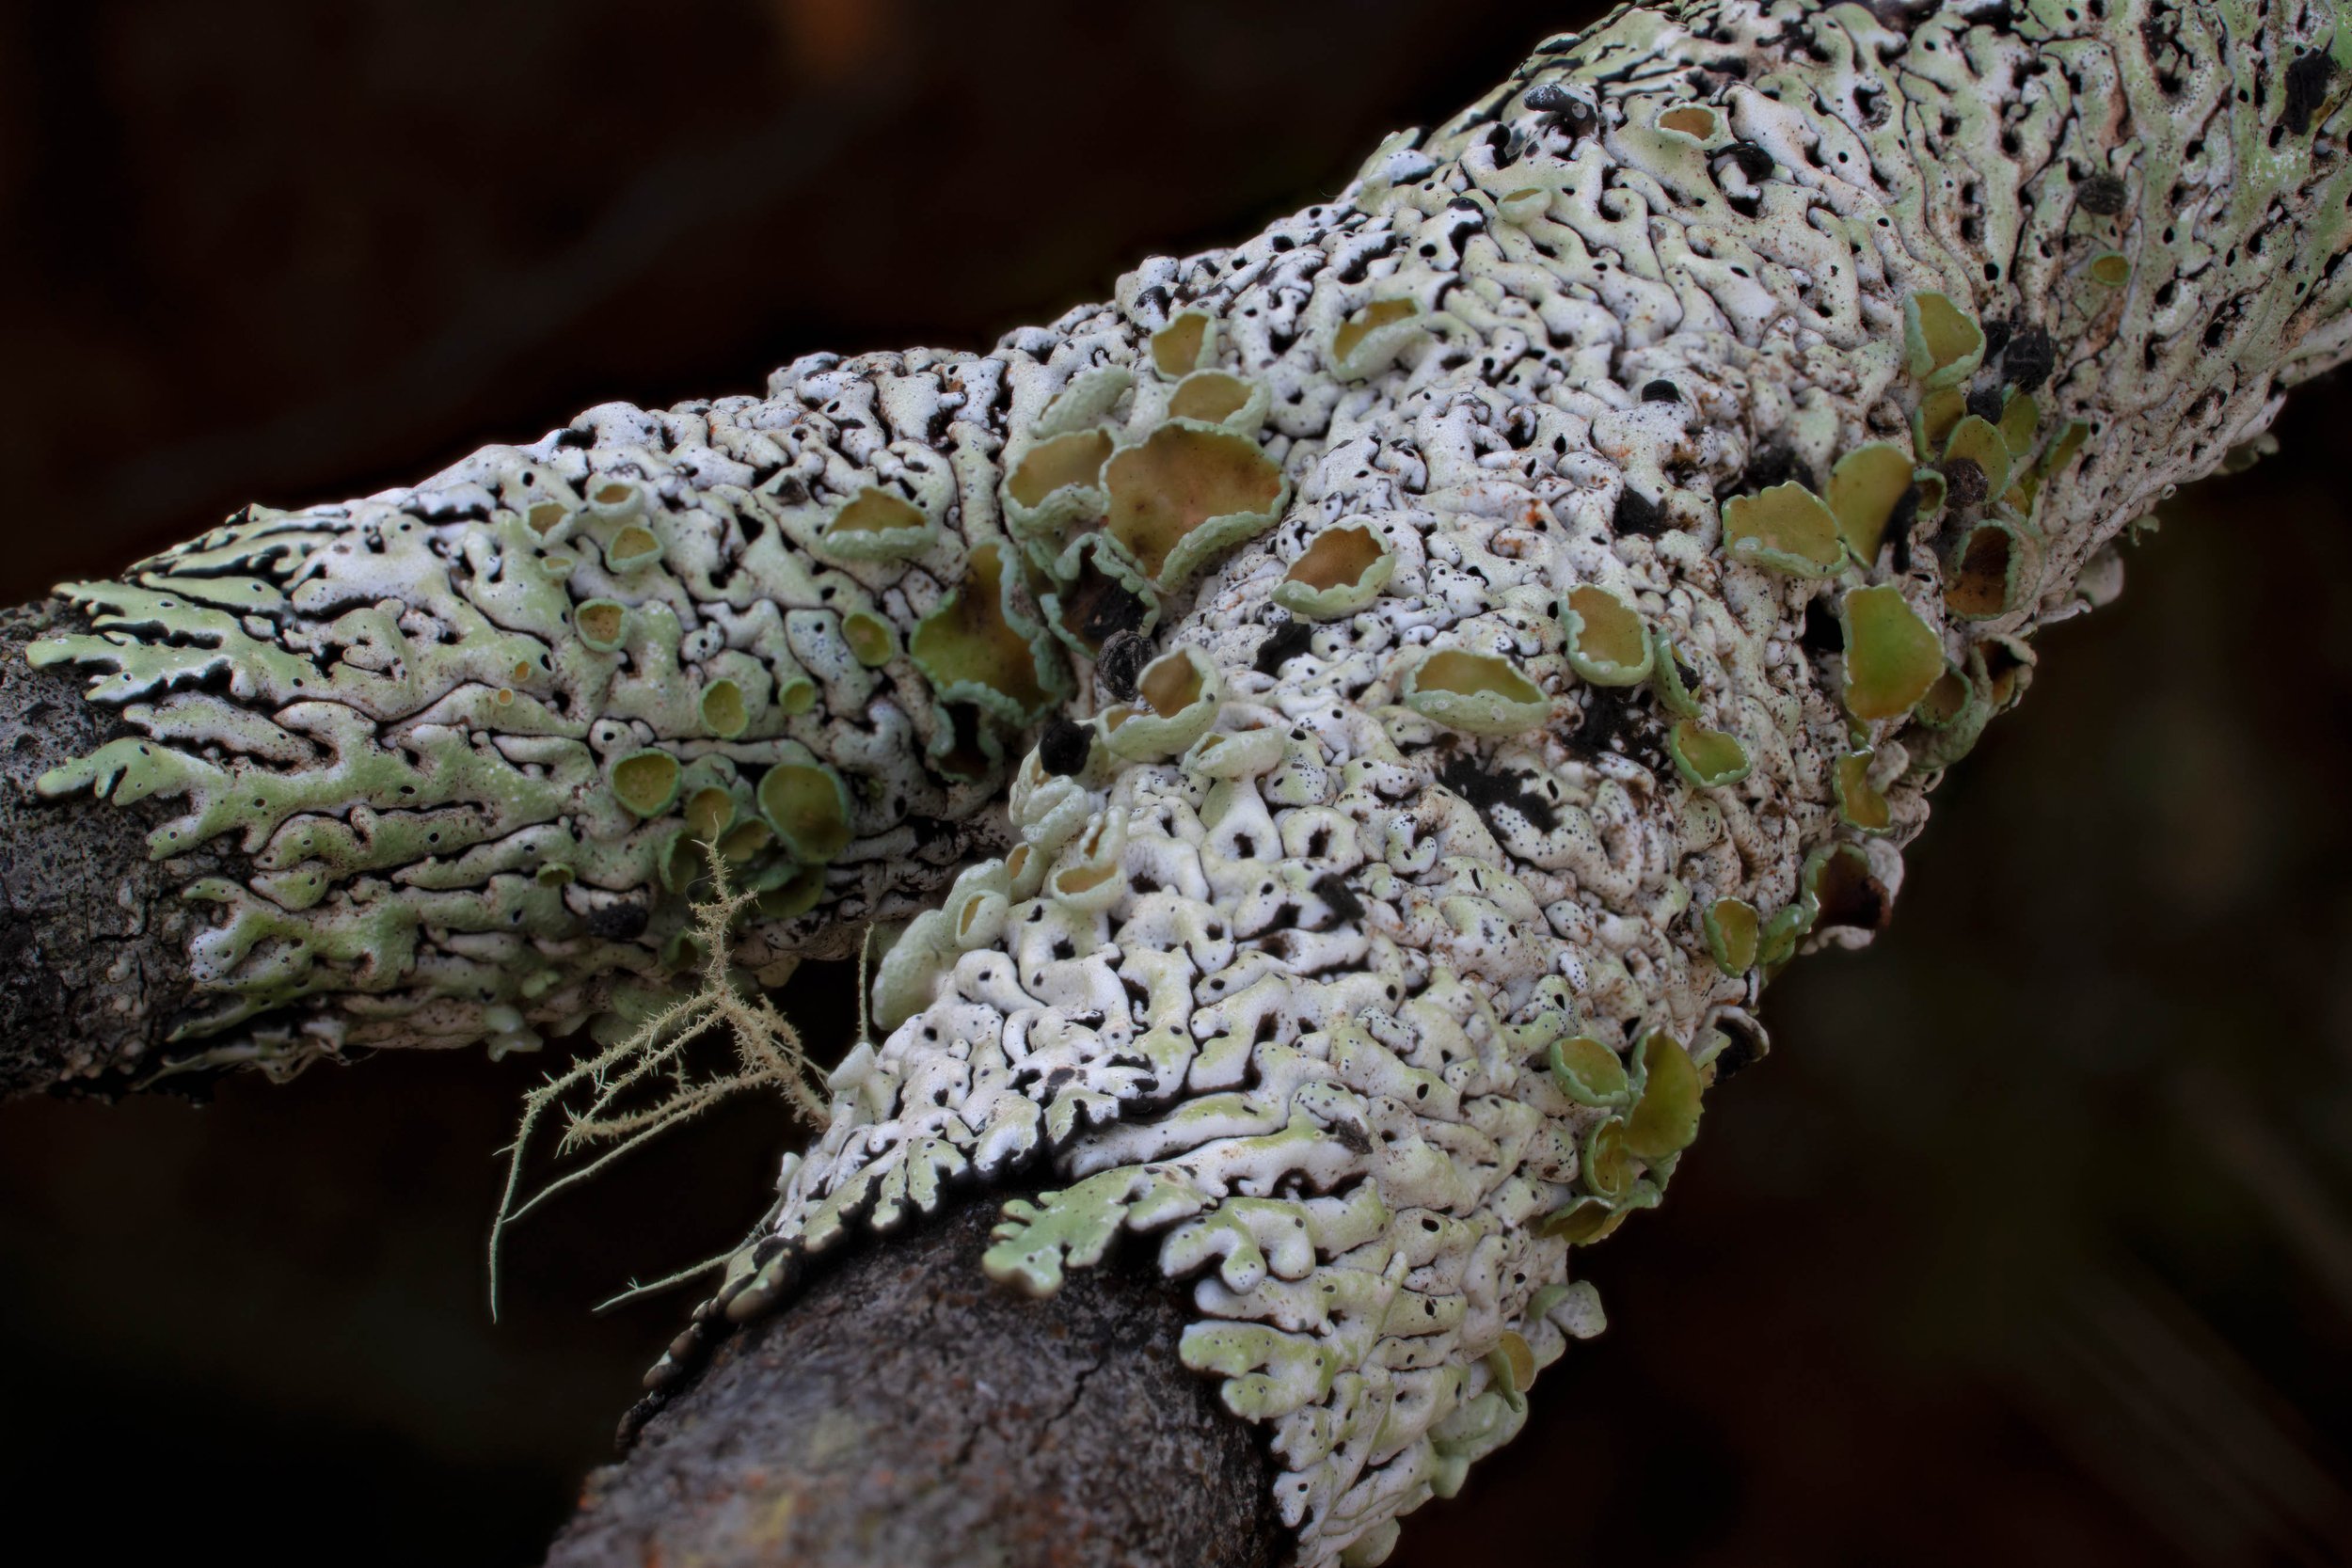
(1493,619)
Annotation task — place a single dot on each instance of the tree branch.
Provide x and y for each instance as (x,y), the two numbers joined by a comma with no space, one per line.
(906,1412)
(94,967)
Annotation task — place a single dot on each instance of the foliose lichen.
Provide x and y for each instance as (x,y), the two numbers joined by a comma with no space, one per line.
(1399,963)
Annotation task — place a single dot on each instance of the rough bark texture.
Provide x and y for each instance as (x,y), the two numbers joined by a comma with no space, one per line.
(906,1412)
(93,937)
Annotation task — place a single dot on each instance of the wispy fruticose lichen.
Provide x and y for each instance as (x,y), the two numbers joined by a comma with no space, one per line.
(1511,608)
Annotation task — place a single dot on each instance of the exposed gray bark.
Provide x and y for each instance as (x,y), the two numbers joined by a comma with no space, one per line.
(906,1412)
(93,935)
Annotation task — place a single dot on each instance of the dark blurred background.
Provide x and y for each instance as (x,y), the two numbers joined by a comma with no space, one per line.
(2031,1244)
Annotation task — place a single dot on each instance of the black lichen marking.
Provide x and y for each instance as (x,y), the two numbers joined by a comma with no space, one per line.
(1486,790)
(1776,464)
(1562,108)
(2306,90)
(2101,195)
(1683,672)
(1065,746)
(1966,483)
(1754,163)
(2028,358)
(1346,909)
(1102,606)
(1821,633)
(1849,895)
(1661,391)
(1613,723)
(1744,1047)
(1287,641)
(1900,523)
(622,920)
(1121,661)
(1985,403)
(1636,514)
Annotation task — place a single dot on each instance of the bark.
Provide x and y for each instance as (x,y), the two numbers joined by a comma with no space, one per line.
(906,1412)
(94,969)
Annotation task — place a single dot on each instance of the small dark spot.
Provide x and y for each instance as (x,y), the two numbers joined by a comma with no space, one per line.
(1821,633)
(1485,791)
(1745,1047)
(2028,357)
(1346,909)
(1898,526)
(2101,195)
(1985,403)
(2306,90)
(1287,640)
(1966,483)
(1776,464)
(1121,662)
(621,921)
(1637,515)
(1661,391)
(1065,746)
(1754,163)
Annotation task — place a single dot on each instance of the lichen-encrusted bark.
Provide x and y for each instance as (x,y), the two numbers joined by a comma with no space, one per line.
(1410,973)
(1572,553)
(905,1413)
(93,937)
